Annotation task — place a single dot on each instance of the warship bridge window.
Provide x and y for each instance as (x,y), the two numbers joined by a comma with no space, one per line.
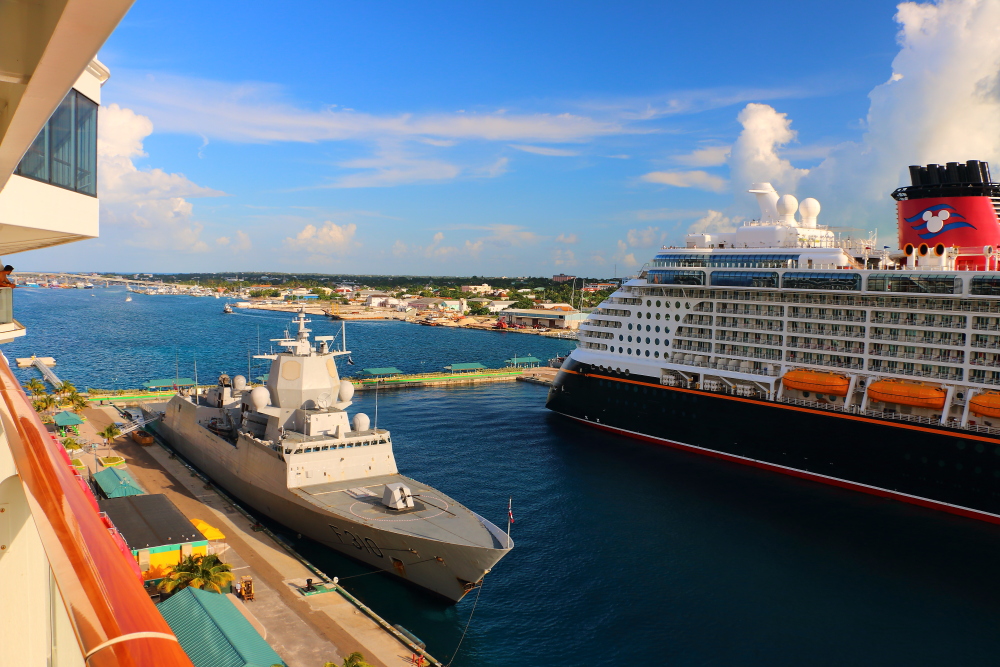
(822,281)
(915,283)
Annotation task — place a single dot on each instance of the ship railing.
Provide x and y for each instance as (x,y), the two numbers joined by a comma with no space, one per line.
(813,404)
(751,327)
(919,341)
(825,348)
(920,357)
(823,316)
(992,430)
(956,376)
(982,380)
(774,356)
(919,323)
(898,416)
(693,335)
(728,337)
(703,308)
(826,362)
(986,327)
(115,623)
(988,346)
(736,368)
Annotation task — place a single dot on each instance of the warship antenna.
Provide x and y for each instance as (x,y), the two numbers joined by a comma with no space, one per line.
(343,335)
(376,404)
(196,380)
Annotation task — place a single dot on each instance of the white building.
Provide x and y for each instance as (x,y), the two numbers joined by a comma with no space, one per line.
(477,289)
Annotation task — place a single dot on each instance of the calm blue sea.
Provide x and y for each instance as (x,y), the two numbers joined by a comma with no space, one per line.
(626,553)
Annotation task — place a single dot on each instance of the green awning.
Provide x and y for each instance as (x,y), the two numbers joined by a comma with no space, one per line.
(519,361)
(262,378)
(168,383)
(391,370)
(116,483)
(213,632)
(465,367)
(65,418)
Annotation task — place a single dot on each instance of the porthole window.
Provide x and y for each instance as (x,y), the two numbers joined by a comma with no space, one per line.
(657,341)
(621,337)
(639,315)
(619,350)
(647,327)
(687,304)
(657,328)
(649,316)
(630,350)
(677,305)
(629,326)
(666,329)
(677,318)
(648,303)
(806,394)
(666,343)
(656,355)
(647,353)
(630,339)
(657,304)
(647,340)
(980,448)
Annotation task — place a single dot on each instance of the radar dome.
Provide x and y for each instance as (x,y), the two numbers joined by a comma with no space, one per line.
(361,422)
(239,383)
(809,208)
(346,391)
(787,205)
(259,398)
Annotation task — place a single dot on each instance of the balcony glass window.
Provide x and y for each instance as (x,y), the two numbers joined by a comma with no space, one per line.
(822,281)
(744,279)
(659,277)
(917,283)
(985,286)
(736,261)
(65,152)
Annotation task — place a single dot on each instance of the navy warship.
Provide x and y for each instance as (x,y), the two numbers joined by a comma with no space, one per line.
(290,451)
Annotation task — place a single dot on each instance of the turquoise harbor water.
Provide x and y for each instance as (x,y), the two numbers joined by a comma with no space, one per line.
(625,552)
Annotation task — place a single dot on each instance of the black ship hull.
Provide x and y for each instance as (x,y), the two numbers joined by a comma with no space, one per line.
(943,468)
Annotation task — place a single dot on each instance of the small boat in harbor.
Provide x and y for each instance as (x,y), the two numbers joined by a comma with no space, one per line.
(128,298)
(227,309)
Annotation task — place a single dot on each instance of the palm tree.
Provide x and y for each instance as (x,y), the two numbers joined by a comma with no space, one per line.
(78,402)
(44,403)
(71,444)
(110,433)
(355,659)
(35,387)
(205,572)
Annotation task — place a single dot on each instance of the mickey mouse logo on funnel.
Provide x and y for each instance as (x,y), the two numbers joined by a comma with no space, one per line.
(936,219)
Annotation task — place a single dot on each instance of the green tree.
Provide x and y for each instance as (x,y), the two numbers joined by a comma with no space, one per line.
(205,572)
(44,403)
(78,403)
(71,444)
(66,389)
(110,433)
(356,659)
(35,387)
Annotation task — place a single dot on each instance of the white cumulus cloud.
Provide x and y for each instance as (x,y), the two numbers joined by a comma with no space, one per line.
(328,239)
(701,180)
(643,238)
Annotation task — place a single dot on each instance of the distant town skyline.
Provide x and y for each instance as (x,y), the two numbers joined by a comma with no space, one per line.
(456,139)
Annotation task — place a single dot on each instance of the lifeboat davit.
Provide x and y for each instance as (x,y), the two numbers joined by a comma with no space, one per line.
(907,393)
(986,405)
(819,382)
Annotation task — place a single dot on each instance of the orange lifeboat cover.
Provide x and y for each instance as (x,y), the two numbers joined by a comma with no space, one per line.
(821,383)
(986,405)
(907,393)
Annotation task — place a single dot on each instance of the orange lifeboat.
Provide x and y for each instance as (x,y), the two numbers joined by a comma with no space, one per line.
(986,405)
(907,393)
(821,383)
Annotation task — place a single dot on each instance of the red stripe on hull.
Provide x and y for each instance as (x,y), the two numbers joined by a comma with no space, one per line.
(802,474)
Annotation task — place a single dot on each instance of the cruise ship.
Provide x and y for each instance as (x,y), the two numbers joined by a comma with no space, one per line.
(867,368)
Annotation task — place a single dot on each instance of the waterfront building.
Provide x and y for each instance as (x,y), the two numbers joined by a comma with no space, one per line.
(157,533)
(499,305)
(67,595)
(477,289)
(544,317)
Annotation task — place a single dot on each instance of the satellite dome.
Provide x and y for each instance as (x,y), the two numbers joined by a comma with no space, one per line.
(361,422)
(787,205)
(239,383)
(809,208)
(259,398)
(346,391)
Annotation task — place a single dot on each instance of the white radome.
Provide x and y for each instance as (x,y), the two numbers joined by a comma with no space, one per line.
(260,397)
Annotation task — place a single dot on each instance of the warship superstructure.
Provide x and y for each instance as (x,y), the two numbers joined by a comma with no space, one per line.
(290,451)
(837,360)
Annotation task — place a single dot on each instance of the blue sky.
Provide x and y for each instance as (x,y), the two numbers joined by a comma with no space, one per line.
(522,139)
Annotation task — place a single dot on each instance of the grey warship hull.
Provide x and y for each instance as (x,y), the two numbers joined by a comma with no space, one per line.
(439,545)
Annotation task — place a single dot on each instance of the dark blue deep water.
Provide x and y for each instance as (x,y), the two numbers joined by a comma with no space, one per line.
(626,553)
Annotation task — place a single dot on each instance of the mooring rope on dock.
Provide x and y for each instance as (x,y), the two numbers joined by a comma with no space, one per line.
(467,624)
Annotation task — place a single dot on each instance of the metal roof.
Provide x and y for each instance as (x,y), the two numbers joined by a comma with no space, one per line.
(214,633)
(517,361)
(66,418)
(465,367)
(391,370)
(168,382)
(149,521)
(117,483)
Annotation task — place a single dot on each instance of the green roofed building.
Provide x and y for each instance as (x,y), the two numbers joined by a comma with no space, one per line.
(66,419)
(116,483)
(465,367)
(390,370)
(168,383)
(524,361)
(214,633)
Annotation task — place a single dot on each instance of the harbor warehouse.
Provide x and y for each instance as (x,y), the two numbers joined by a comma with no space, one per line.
(544,317)
(156,531)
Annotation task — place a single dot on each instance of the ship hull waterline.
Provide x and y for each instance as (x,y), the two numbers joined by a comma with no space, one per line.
(938,468)
(432,569)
